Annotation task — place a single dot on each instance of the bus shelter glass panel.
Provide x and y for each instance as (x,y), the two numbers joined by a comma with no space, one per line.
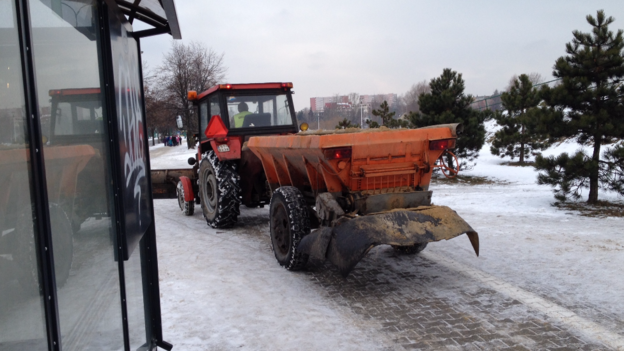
(72,117)
(133,162)
(21,306)
(249,111)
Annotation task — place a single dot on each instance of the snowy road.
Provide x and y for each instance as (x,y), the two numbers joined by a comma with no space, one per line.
(546,279)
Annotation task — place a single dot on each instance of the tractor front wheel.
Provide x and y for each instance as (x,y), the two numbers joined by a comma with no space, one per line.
(187,207)
(219,191)
(289,223)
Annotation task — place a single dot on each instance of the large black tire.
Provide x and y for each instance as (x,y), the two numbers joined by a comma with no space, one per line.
(410,250)
(62,244)
(187,207)
(219,190)
(289,224)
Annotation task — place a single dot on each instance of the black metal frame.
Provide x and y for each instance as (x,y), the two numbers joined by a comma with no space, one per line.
(43,230)
(147,245)
(107,107)
(161,25)
(149,256)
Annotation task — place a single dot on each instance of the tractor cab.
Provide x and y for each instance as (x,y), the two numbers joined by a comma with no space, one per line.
(77,119)
(75,114)
(247,109)
(229,114)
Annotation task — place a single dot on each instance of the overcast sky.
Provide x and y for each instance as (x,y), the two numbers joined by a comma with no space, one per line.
(377,47)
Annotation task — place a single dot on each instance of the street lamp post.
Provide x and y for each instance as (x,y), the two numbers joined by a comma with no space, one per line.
(361,118)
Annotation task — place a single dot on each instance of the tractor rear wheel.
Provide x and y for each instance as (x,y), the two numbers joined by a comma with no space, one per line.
(62,245)
(187,207)
(411,249)
(289,223)
(219,191)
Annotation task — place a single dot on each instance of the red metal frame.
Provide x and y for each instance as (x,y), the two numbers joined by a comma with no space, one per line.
(188,189)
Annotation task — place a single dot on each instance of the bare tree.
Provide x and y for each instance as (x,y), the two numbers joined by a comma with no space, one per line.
(158,117)
(534,78)
(376,100)
(410,99)
(354,99)
(189,67)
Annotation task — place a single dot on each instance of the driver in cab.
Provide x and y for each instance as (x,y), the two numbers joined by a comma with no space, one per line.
(239,118)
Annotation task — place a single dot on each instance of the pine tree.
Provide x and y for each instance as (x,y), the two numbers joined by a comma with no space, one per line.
(612,175)
(346,123)
(447,103)
(518,136)
(372,124)
(387,118)
(587,105)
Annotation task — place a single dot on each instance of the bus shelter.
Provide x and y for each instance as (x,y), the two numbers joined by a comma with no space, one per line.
(78,262)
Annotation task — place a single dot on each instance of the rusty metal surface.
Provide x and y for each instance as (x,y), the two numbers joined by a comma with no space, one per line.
(252,179)
(456,128)
(327,208)
(383,202)
(164,181)
(350,240)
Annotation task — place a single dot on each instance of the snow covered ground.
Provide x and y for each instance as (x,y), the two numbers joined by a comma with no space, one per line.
(168,157)
(223,289)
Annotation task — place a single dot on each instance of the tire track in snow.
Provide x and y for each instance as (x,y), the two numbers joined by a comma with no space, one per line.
(561,314)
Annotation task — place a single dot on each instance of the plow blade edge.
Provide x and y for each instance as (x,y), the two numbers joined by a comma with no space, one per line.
(345,244)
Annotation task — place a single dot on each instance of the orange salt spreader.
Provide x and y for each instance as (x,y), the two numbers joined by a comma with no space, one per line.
(360,188)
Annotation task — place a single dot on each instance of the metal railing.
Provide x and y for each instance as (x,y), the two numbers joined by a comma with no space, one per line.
(494,102)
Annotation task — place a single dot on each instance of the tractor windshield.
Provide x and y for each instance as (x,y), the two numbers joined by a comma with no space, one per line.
(249,111)
(76,112)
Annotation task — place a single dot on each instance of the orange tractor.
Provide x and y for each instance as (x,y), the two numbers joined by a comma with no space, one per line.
(358,188)
(74,144)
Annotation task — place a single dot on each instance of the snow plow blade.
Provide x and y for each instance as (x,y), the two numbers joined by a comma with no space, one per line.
(348,241)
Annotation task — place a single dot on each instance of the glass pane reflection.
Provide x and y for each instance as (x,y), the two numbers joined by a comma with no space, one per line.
(21,307)
(65,36)
(134,296)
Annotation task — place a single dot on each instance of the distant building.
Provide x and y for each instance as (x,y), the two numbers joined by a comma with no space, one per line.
(318,104)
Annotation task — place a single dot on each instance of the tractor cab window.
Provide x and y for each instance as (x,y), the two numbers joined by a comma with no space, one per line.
(203,116)
(76,113)
(250,111)
(207,109)
(215,109)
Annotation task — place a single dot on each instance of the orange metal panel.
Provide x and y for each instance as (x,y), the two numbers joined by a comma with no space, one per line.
(269,171)
(280,170)
(380,159)
(316,180)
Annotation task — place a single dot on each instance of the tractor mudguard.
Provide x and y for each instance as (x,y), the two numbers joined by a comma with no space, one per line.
(348,241)
(188,188)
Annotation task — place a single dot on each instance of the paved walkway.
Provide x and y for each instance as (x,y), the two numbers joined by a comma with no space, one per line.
(440,305)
